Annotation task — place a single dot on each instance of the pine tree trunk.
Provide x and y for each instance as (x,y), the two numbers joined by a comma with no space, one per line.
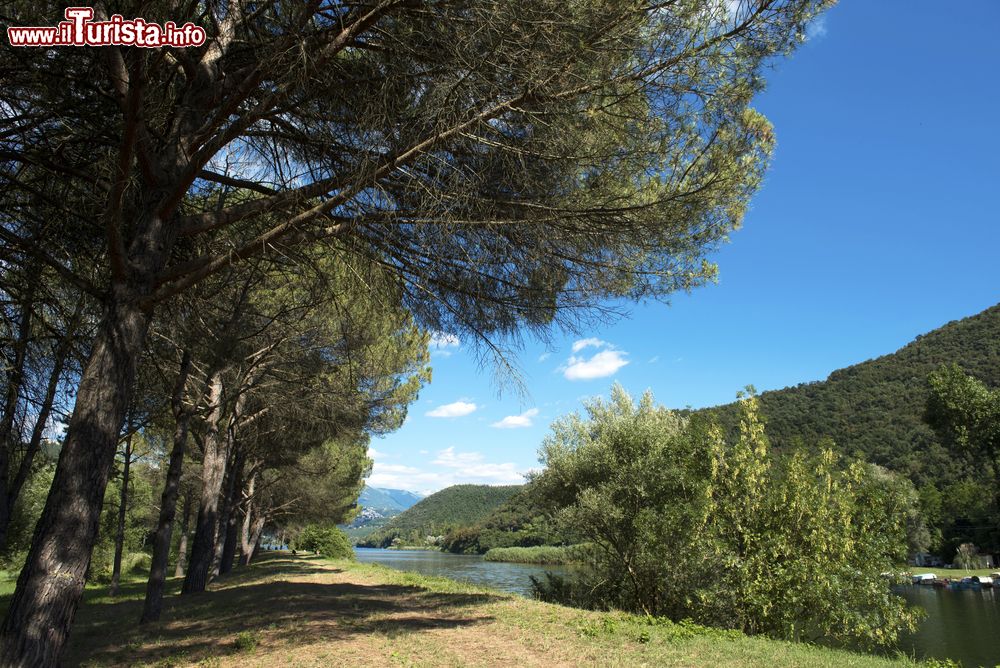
(213,471)
(230,529)
(60,356)
(246,544)
(225,499)
(182,545)
(258,534)
(10,439)
(153,604)
(51,582)
(116,570)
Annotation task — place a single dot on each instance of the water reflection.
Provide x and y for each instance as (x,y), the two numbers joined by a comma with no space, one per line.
(963,625)
(960,625)
(514,578)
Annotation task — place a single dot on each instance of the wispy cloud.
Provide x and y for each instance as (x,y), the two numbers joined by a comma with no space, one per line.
(816,28)
(544,356)
(601,364)
(517,421)
(587,343)
(654,359)
(452,410)
(444,340)
(452,467)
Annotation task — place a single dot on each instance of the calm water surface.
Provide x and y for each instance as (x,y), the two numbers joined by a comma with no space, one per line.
(514,578)
(960,625)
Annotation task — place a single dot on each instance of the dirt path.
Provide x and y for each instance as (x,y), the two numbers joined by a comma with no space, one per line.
(295,611)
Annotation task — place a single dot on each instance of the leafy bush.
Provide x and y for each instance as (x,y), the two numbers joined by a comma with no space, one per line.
(464,540)
(247,641)
(329,541)
(687,526)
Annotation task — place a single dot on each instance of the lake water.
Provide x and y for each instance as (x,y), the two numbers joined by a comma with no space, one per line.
(514,578)
(960,625)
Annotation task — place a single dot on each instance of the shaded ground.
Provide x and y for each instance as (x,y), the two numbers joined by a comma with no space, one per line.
(301,611)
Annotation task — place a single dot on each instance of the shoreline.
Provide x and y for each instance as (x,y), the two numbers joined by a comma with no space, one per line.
(309,611)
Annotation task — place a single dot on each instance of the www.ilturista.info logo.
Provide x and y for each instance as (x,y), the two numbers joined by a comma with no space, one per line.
(80,30)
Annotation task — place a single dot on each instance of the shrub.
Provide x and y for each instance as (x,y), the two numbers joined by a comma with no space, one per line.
(329,541)
(687,525)
(247,641)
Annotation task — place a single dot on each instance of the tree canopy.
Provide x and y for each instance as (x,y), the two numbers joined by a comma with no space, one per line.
(509,165)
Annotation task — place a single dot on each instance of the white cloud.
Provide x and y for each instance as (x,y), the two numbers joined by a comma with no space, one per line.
(654,359)
(452,410)
(441,340)
(375,454)
(516,421)
(585,343)
(544,356)
(816,28)
(452,468)
(471,465)
(600,365)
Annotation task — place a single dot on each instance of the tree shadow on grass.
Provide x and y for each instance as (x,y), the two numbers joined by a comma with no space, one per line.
(198,626)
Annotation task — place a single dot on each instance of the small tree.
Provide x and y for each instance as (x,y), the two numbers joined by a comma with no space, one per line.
(967,556)
(964,412)
(328,541)
(686,525)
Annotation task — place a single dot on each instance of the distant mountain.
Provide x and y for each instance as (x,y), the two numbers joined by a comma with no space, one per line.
(387,502)
(378,506)
(874,410)
(452,507)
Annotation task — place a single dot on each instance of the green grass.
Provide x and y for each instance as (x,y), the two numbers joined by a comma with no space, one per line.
(309,611)
(539,554)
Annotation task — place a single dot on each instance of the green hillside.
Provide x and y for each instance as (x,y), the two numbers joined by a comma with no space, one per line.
(439,513)
(874,409)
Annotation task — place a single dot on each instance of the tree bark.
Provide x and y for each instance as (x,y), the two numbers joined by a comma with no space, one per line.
(51,582)
(15,378)
(213,470)
(225,498)
(116,570)
(258,533)
(183,543)
(246,544)
(60,356)
(230,529)
(153,604)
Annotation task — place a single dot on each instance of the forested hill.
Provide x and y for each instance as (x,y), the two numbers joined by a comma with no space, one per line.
(456,506)
(874,409)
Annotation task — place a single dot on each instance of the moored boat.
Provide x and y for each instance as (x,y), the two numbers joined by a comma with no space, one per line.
(986,581)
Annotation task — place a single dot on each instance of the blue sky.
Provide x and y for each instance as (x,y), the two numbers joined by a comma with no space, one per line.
(877,221)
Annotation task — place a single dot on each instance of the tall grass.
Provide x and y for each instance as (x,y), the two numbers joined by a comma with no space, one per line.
(540,554)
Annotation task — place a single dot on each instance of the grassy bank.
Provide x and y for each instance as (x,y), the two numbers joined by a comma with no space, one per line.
(306,611)
(540,554)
